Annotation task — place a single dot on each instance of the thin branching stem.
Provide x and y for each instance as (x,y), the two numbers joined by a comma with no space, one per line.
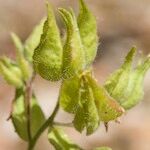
(28,96)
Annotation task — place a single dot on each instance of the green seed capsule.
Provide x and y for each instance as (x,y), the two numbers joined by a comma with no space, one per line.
(73,54)
(107,107)
(47,58)
(88,31)
(69,94)
(89,107)
(87,114)
(125,85)
(134,91)
(117,83)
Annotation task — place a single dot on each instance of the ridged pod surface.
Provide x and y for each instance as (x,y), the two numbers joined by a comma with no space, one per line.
(73,54)
(108,108)
(88,32)
(134,91)
(126,84)
(87,114)
(47,58)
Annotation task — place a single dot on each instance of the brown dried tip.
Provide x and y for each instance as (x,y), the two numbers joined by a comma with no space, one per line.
(118,120)
(11,110)
(9,117)
(106,126)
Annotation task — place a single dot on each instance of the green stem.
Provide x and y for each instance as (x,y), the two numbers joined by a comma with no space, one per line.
(28,96)
(48,122)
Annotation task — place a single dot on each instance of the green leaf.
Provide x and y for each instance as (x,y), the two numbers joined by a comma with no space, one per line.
(88,31)
(10,71)
(69,94)
(73,53)
(108,108)
(88,110)
(22,62)
(17,42)
(134,91)
(33,40)
(47,58)
(60,140)
(19,115)
(117,83)
(103,148)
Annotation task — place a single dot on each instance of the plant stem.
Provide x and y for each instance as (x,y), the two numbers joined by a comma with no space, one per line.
(28,96)
(48,122)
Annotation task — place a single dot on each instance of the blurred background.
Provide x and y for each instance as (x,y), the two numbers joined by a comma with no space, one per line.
(121,24)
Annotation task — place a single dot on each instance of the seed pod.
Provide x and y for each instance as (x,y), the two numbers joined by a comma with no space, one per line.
(108,108)
(125,85)
(69,94)
(117,83)
(79,119)
(47,58)
(87,114)
(134,91)
(89,107)
(73,54)
(88,31)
